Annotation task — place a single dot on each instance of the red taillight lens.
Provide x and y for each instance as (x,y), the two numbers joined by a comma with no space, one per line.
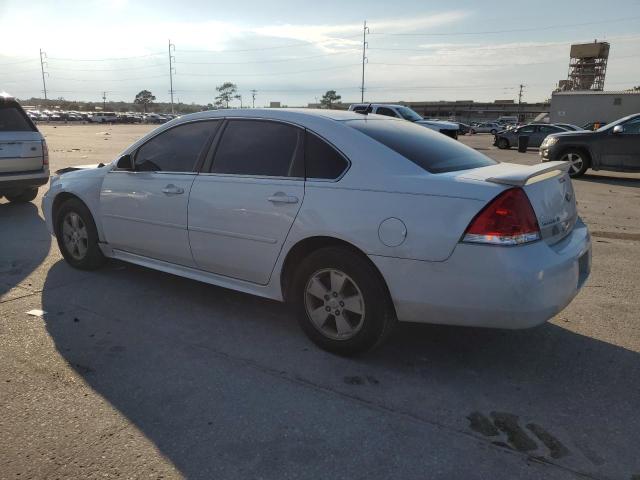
(508,219)
(45,153)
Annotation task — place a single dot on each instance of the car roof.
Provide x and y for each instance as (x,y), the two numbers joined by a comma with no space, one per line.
(291,114)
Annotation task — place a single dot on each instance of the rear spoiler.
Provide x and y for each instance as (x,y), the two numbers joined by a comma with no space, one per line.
(520,178)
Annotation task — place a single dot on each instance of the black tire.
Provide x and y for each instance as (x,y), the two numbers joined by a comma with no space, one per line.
(503,144)
(378,319)
(583,158)
(23,197)
(494,131)
(93,257)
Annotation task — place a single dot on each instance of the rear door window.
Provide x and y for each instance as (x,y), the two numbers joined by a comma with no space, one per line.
(260,148)
(432,151)
(386,111)
(13,119)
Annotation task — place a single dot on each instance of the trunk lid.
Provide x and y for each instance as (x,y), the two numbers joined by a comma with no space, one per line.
(20,152)
(548,187)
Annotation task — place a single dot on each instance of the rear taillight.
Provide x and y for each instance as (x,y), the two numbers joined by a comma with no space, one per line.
(508,219)
(45,153)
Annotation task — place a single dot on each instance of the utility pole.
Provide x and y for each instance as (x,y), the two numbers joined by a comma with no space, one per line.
(43,55)
(171,72)
(364,57)
(104,101)
(520,103)
(253,98)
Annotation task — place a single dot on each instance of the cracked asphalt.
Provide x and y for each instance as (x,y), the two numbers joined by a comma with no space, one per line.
(132,373)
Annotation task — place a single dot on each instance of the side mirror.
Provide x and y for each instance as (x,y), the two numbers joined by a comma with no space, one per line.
(125,162)
(618,129)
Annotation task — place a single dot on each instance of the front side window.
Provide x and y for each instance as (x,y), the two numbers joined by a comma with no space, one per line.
(549,129)
(260,148)
(321,160)
(176,149)
(632,126)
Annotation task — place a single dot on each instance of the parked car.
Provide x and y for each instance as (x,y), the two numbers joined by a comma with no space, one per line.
(358,220)
(536,133)
(463,128)
(489,127)
(24,158)
(103,117)
(402,111)
(614,147)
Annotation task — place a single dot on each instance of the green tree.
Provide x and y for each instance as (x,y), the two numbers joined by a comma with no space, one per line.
(329,98)
(144,98)
(226,93)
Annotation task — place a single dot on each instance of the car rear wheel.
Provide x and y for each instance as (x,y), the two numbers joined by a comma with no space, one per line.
(343,305)
(23,197)
(503,143)
(578,162)
(493,131)
(77,236)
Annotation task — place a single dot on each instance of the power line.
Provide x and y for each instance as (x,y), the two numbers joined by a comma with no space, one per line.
(104,59)
(297,44)
(279,60)
(491,32)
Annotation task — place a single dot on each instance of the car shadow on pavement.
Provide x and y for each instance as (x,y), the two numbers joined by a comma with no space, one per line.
(226,384)
(610,180)
(25,243)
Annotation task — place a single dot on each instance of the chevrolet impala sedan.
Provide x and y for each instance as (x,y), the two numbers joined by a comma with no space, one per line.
(357,220)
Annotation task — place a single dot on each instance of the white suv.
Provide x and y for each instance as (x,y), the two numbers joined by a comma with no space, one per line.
(24,158)
(450,129)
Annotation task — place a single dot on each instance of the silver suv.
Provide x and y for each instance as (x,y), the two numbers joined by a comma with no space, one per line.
(24,158)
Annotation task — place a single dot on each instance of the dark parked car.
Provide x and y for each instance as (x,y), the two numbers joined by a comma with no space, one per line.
(614,147)
(535,132)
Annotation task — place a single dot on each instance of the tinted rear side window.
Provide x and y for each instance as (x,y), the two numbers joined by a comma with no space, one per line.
(433,151)
(259,148)
(177,149)
(13,119)
(321,159)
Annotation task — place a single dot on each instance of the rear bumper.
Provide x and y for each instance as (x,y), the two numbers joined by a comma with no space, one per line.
(18,182)
(487,286)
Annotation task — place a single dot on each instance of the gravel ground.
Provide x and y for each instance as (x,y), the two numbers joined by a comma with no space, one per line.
(133,373)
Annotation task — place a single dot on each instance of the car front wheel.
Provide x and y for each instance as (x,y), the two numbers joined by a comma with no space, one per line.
(77,236)
(578,162)
(503,143)
(342,302)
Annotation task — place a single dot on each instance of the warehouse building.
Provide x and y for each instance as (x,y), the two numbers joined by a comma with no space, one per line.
(581,107)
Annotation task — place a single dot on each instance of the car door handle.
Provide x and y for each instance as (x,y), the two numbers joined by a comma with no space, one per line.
(171,189)
(281,197)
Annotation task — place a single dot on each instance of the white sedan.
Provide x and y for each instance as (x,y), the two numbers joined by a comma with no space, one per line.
(358,220)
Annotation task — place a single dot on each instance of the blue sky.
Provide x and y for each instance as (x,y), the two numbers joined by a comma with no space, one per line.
(293,51)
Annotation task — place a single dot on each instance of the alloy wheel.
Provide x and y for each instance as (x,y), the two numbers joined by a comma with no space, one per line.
(75,236)
(575,161)
(334,304)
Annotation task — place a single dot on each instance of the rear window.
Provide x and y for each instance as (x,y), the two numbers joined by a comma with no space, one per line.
(433,151)
(13,119)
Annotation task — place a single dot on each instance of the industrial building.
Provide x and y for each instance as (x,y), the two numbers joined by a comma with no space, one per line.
(467,111)
(586,106)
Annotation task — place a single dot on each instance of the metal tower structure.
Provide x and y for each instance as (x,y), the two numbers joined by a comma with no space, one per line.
(587,66)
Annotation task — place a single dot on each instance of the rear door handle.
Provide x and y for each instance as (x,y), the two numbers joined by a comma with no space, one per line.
(171,189)
(281,197)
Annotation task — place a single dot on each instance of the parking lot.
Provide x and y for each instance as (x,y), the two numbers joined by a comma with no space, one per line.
(127,372)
